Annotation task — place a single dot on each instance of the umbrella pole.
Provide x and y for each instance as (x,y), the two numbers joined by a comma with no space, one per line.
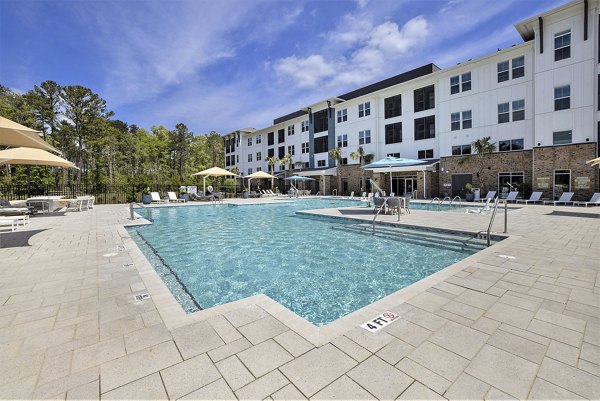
(204,185)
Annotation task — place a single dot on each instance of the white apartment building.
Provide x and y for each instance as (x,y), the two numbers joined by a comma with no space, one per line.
(538,101)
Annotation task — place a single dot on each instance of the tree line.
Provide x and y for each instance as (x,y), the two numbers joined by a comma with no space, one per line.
(107,151)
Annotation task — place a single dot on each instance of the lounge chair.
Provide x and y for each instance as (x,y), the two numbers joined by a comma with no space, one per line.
(156,197)
(75,204)
(490,195)
(565,198)
(512,196)
(595,201)
(7,209)
(534,198)
(174,198)
(13,222)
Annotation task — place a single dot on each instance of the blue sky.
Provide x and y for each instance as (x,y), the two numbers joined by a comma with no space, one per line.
(223,65)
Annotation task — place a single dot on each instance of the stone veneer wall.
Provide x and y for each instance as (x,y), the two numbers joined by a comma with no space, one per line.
(498,162)
(567,157)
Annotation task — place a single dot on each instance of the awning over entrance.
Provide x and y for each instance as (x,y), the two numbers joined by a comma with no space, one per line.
(416,165)
(318,172)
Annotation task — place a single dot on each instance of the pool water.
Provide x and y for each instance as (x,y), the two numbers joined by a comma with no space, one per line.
(211,255)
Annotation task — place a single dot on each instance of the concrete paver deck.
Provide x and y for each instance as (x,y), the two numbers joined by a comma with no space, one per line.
(518,320)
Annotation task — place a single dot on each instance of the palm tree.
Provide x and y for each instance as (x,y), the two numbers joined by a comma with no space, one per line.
(362,158)
(271,160)
(284,161)
(481,148)
(336,155)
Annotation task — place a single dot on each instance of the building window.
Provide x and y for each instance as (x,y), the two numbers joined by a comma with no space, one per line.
(258,139)
(305,147)
(281,136)
(511,144)
(259,169)
(249,157)
(467,121)
(364,137)
(320,163)
(306,165)
(237,159)
(466,81)
(227,160)
(270,138)
(258,156)
(291,130)
(425,154)
(364,109)
(518,67)
(425,128)
(342,141)
(344,161)
(292,150)
(281,152)
(342,115)
(249,171)
(393,133)
(304,126)
(518,110)
(562,45)
(249,141)
(270,152)
(396,155)
(454,121)
(454,84)
(562,137)
(321,144)
(424,98)
(393,106)
(503,71)
(510,182)
(562,97)
(321,121)
(503,113)
(461,150)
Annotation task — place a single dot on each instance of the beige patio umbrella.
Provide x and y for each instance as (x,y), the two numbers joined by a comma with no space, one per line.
(14,134)
(213,172)
(258,175)
(32,157)
(594,162)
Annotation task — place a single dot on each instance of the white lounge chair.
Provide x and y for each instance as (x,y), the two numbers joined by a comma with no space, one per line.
(174,198)
(156,197)
(13,222)
(490,195)
(534,198)
(565,198)
(512,196)
(595,201)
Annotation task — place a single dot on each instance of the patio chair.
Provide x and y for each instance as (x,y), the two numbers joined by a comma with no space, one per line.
(407,203)
(352,195)
(378,203)
(565,198)
(218,196)
(174,198)
(534,198)
(392,194)
(595,201)
(156,197)
(490,195)
(512,196)
(394,205)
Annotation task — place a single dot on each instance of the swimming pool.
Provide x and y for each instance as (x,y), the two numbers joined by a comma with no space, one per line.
(321,269)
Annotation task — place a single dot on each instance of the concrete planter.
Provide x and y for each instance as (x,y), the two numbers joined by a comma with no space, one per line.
(146,199)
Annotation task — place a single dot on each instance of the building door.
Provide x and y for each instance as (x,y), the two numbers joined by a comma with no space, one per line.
(458,184)
(562,182)
(410,185)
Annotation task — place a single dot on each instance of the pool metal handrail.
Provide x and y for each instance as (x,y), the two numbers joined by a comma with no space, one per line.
(459,201)
(382,207)
(495,209)
(444,200)
(434,199)
(142,206)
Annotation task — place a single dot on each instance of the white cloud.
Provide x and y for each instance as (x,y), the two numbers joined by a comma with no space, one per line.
(373,49)
(306,72)
(362,3)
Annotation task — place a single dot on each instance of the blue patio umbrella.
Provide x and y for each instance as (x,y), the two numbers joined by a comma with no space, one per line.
(299,178)
(386,164)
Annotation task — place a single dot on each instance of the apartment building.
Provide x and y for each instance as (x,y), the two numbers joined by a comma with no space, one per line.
(538,101)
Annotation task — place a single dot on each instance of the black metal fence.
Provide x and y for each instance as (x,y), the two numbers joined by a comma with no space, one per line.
(104,193)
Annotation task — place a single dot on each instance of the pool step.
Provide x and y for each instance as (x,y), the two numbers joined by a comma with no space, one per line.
(418,237)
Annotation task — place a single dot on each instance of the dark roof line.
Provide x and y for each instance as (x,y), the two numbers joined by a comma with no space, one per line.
(365,90)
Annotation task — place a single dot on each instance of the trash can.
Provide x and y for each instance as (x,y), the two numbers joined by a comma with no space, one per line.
(477,193)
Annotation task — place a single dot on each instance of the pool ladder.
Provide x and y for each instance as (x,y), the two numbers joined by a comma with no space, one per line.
(142,206)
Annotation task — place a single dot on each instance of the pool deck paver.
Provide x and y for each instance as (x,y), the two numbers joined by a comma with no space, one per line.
(518,320)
